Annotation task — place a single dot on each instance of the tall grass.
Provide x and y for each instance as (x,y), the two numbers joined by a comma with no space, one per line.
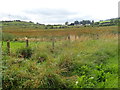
(90,63)
(60,32)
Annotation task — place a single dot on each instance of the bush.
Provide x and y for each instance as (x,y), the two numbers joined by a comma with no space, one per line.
(25,52)
(40,57)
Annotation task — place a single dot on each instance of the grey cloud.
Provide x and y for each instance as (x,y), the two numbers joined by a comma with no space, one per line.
(21,17)
(54,20)
(50,12)
(13,16)
(82,18)
(48,15)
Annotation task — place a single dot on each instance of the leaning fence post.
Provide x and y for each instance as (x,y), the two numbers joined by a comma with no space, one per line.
(8,47)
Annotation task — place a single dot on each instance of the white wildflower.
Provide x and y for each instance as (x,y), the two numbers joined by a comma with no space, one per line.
(91,77)
(76,82)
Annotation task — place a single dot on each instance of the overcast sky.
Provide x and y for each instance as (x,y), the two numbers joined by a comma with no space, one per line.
(58,11)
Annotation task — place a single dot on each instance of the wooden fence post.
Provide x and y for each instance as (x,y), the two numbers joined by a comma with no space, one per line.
(69,37)
(53,45)
(27,43)
(97,36)
(8,47)
(92,36)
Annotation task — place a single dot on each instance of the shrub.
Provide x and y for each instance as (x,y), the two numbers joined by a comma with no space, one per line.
(40,57)
(25,52)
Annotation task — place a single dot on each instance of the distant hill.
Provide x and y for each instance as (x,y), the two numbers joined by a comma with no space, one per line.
(23,25)
(17,24)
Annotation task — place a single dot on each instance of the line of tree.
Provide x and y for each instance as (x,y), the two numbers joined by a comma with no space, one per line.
(83,22)
(109,22)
